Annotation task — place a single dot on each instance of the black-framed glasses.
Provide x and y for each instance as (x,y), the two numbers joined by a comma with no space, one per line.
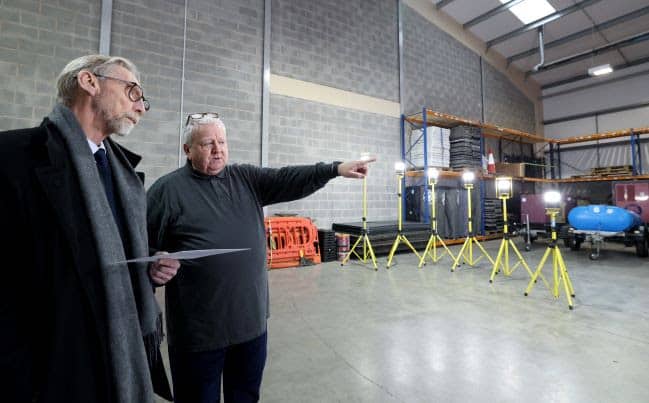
(135,91)
(201,115)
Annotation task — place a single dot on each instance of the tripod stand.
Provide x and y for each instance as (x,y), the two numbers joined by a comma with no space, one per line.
(559,270)
(505,244)
(400,236)
(434,236)
(466,252)
(367,245)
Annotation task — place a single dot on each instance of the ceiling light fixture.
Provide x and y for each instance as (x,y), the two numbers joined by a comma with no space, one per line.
(531,10)
(600,70)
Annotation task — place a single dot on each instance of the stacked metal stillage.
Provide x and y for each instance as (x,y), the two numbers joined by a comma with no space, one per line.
(493,215)
(328,247)
(464,155)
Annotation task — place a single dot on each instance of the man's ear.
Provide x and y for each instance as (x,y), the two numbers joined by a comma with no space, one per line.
(186,149)
(88,82)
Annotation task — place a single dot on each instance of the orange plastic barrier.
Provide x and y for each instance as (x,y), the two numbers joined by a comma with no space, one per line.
(291,242)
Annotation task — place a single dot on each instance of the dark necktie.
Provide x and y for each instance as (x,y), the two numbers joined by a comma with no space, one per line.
(107,179)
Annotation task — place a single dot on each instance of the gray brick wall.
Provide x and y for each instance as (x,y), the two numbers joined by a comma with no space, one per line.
(505,105)
(224,67)
(304,132)
(439,72)
(137,33)
(37,39)
(222,72)
(346,44)
(350,45)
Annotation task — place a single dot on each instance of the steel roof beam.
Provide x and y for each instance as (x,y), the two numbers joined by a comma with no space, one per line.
(580,77)
(491,13)
(600,27)
(542,21)
(597,83)
(442,3)
(631,40)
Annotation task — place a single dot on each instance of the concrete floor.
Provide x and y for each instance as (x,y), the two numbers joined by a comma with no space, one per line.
(405,334)
(428,335)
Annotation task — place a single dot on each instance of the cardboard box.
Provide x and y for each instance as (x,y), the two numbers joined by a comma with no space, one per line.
(507,169)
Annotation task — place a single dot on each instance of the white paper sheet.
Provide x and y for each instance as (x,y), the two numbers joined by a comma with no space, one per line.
(184,254)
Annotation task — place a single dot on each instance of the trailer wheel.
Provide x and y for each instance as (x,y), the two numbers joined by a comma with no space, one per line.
(593,256)
(641,248)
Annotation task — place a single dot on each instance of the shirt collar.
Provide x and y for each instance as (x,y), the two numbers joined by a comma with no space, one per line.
(94,147)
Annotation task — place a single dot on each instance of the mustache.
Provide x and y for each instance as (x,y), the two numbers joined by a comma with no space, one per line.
(131,116)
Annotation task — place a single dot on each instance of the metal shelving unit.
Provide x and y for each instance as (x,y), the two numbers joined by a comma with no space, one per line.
(554,152)
(427,118)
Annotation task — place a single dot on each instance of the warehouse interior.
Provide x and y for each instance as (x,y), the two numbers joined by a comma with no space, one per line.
(556,101)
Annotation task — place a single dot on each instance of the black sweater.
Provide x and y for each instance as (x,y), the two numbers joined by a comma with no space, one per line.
(221,300)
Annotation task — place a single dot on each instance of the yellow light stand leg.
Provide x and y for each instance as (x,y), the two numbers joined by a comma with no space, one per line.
(502,259)
(434,238)
(368,251)
(400,237)
(559,270)
(466,252)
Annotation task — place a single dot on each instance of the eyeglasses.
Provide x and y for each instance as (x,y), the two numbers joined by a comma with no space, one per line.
(135,91)
(201,115)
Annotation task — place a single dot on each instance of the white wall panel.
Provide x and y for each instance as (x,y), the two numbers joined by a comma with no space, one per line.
(638,117)
(619,93)
(571,128)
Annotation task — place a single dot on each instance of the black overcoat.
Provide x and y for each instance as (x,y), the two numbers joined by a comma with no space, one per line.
(52,305)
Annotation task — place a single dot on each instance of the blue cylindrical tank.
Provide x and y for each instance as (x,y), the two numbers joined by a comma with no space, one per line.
(600,217)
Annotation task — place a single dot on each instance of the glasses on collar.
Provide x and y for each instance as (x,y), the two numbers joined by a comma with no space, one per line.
(201,115)
(135,91)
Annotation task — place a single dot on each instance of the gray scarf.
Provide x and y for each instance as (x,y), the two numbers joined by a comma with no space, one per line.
(132,314)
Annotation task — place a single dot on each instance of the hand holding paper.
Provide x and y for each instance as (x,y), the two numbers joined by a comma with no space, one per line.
(163,269)
(184,254)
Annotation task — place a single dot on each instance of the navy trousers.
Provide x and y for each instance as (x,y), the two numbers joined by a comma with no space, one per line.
(197,375)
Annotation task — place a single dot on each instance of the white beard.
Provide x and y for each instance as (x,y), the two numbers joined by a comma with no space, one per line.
(120,126)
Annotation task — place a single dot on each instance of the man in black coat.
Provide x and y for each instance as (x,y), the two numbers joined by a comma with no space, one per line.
(77,323)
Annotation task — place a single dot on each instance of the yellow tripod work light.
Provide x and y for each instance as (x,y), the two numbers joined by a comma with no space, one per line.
(466,252)
(559,271)
(400,168)
(434,239)
(504,190)
(368,252)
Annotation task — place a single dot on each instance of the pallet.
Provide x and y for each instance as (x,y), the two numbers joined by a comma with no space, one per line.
(612,170)
(585,176)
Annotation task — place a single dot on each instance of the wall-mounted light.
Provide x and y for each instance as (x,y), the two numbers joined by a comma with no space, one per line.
(600,70)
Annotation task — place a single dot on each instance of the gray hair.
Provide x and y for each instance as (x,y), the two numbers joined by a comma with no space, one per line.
(66,83)
(194,124)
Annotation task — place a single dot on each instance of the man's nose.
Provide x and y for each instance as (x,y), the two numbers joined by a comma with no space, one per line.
(138,106)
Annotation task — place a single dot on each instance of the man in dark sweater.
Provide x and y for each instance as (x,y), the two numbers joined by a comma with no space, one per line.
(217,307)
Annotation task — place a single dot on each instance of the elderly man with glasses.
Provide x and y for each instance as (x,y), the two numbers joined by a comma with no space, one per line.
(217,307)
(79,324)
